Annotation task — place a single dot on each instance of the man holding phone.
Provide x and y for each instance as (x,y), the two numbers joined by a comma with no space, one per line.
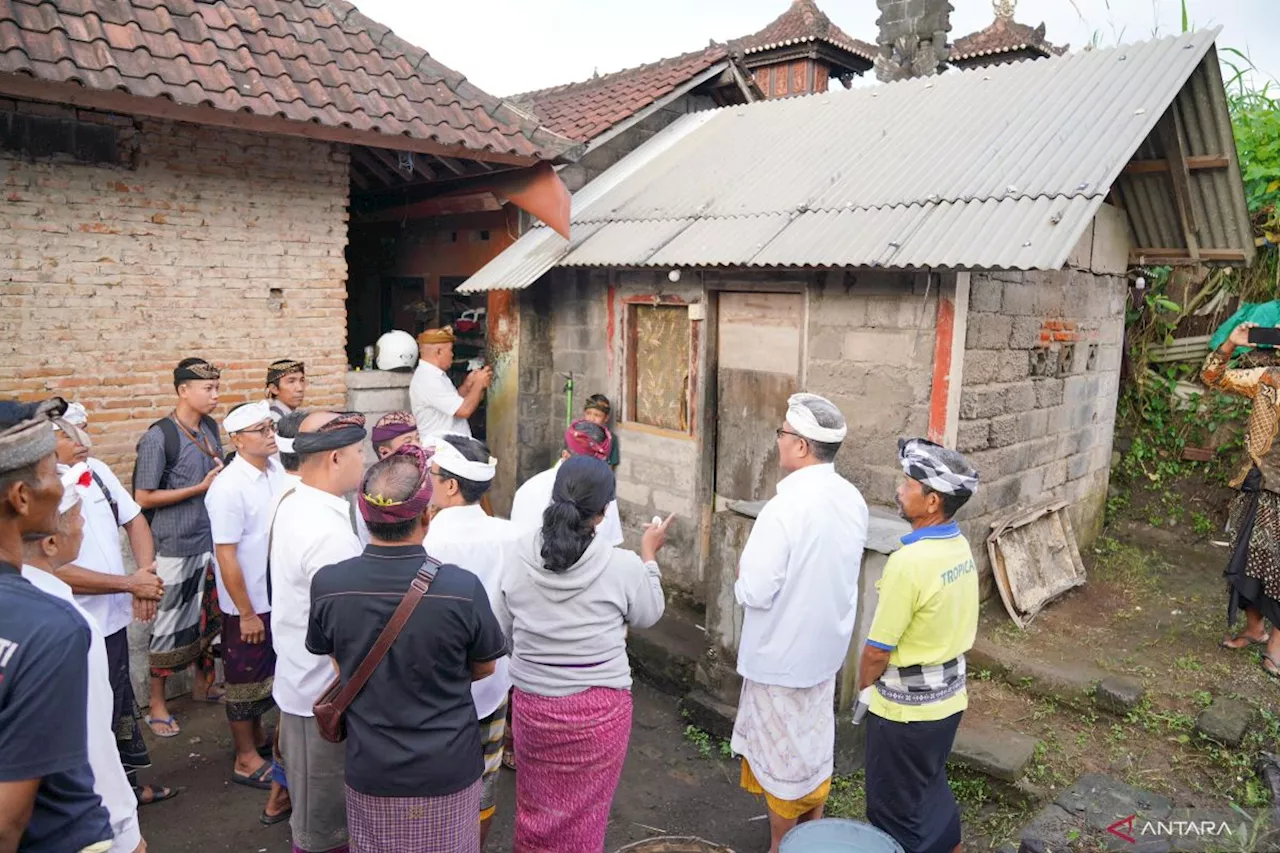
(1253,572)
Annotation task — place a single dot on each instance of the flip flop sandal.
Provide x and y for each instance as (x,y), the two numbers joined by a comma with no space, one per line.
(508,760)
(152,722)
(211,698)
(266,750)
(158,795)
(1273,673)
(260,778)
(1252,641)
(271,820)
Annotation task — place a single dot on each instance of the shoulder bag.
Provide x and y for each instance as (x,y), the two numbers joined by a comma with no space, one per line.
(330,710)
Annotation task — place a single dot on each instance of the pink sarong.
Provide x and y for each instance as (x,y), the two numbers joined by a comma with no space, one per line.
(570,751)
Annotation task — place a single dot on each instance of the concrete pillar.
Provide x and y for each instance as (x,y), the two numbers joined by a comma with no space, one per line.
(373,393)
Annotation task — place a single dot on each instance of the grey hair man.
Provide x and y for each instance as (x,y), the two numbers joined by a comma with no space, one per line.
(798,586)
(912,672)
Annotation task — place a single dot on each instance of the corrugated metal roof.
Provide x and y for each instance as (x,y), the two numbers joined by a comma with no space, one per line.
(994,167)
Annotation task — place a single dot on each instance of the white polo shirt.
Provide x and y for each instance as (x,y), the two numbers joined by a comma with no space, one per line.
(239,503)
(535,496)
(435,402)
(101,549)
(109,779)
(312,530)
(483,545)
(798,579)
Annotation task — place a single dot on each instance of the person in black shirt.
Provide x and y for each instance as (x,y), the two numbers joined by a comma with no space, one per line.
(414,759)
(47,802)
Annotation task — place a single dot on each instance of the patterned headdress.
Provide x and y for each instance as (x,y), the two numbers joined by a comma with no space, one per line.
(195,369)
(278,370)
(379,509)
(923,460)
(579,441)
(437,336)
(393,425)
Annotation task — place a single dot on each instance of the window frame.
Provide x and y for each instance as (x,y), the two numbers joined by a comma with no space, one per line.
(629,419)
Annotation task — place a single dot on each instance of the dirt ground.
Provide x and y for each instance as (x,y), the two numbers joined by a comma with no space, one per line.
(667,788)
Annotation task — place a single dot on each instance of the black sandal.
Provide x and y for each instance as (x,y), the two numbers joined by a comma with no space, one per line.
(158,795)
(1273,673)
(260,778)
(1249,641)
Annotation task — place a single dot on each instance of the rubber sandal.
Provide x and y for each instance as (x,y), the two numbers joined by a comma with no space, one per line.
(271,820)
(266,750)
(508,760)
(158,795)
(260,778)
(1252,641)
(1272,673)
(211,698)
(152,722)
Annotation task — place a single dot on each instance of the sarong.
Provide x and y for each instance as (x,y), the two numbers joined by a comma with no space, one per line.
(316,786)
(445,824)
(570,751)
(124,709)
(493,732)
(187,617)
(249,671)
(907,791)
(1253,572)
(788,734)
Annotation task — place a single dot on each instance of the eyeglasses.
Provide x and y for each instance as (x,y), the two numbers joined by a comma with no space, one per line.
(262,431)
(782,432)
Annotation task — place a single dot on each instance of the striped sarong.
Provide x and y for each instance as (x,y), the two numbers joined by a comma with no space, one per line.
(447,824)
(493,732)
(570,751)
(187,617)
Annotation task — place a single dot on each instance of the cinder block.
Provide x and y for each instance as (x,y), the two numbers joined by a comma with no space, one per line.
(1049,392)
(988,331)
(1019,299)
(985,294)
(973,435)
(1025,333)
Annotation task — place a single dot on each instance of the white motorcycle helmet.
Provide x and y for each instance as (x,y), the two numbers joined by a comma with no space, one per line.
(396,351)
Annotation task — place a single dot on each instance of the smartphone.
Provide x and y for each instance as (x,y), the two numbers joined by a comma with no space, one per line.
(1264,336)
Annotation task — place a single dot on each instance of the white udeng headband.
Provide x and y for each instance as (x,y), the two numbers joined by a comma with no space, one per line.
(284,445)
(448,458)
(247,416)
(71,477)
(807,425)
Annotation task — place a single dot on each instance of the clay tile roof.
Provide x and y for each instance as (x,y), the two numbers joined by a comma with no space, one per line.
(318,61)
(1004,35)
(804,21)
(582,111)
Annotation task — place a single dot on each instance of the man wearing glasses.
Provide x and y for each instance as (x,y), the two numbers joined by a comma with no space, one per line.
(239,504)
(798,587)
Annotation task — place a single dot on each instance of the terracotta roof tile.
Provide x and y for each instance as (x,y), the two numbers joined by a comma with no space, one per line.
(316,61)
(1004,35)
(804,21)
(584,110)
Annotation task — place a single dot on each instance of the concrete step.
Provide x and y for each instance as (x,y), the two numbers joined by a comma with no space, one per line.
(993,751)
(1078,685)
(667,654)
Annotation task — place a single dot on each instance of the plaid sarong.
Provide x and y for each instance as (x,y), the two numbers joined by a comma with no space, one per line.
(447,824)
(922,685)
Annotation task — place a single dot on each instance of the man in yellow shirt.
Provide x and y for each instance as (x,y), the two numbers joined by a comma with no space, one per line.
(912,671)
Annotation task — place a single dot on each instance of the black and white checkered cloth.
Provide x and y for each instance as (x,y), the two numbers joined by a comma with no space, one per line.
(921,461)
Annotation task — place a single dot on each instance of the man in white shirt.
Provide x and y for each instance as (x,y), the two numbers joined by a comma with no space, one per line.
(105,591)
(437,406)
(239,504)
(582,438)
(42,558)
(463,534)
(798,586)
(312,529)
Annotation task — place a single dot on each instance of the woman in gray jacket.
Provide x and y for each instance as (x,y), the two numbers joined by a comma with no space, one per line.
(565,603)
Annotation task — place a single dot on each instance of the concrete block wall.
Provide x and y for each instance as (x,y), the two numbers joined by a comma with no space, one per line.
(1038,399)
(870,351)
(215,243)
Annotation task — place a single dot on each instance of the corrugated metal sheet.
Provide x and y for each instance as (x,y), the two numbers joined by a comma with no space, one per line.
(993,167)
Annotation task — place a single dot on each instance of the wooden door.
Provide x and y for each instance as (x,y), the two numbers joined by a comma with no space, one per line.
(759,349)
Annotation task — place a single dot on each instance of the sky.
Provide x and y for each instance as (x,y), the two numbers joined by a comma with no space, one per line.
(511,46)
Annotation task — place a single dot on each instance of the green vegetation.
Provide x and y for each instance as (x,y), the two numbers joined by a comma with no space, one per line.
(707,744)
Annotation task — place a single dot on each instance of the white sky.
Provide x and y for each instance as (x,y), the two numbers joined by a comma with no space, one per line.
(511,46)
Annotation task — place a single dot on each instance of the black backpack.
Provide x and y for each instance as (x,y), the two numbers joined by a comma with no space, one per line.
(172,447)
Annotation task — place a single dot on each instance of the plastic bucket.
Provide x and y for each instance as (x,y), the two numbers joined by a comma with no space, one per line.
(837,835)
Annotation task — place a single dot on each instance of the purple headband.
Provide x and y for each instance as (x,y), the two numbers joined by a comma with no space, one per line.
(376,509)
(581,444)
(386,432)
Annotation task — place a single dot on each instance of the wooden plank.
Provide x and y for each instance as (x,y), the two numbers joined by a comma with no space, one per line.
(1170,130)
(442,206)
(1175,257)
(1138,167)
(392,162)
(452,165)
(374,166)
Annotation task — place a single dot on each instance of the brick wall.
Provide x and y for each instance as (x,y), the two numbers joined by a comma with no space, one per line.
(1037,408)
(214,243)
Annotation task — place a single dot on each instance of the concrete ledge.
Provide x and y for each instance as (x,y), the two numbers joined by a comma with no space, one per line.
(709,714)
(1080,686)
(999,753)
(667,654)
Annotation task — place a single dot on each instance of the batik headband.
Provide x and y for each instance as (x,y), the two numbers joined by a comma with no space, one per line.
(803,421)
(449,458)
(579,441)
(392,425)
(26,435)
(921,461)
(195,371)
(278,370)
(379,509)
(343,431)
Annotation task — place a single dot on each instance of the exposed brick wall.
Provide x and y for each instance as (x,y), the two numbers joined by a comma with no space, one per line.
(1037,408)
(217,243)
